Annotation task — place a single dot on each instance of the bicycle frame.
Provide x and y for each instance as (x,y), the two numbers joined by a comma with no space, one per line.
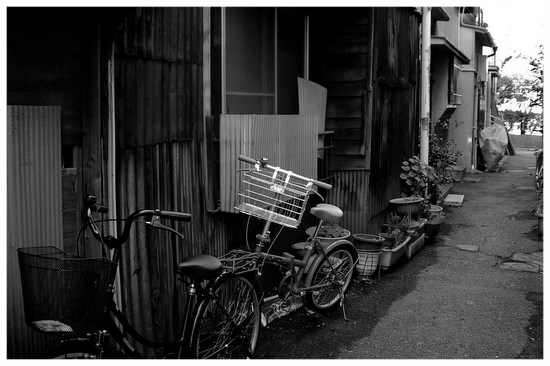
(268,207)
(313,252)
(118,325)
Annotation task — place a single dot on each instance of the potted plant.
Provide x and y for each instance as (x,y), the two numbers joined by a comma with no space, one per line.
(329,233)
(433,225)
(418,185)
(368,241)
(441,156)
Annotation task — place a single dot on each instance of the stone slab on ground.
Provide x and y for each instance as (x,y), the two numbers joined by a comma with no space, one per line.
(454,200)
(535,258)
(521,266)
(474,180)
(468,247)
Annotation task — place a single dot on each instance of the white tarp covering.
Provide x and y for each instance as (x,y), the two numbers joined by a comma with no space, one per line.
(493,141)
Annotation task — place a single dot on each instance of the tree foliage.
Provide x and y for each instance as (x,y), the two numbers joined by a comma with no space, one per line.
(538,72)
(519,95)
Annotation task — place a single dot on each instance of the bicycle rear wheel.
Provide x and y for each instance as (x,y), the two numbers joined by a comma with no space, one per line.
(334,273)
(227,325)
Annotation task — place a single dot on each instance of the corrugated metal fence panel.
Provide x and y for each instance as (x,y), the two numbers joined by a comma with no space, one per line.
(364,211)
(349,192)
(163,176)
(288,141)
(159,75)
(158,98)
(34,207)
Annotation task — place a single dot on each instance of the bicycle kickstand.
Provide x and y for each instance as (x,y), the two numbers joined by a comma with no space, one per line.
(342,304)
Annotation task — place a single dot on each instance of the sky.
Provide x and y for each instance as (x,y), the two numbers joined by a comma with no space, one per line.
(516,28)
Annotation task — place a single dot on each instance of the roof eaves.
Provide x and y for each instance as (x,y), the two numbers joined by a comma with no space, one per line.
(442,43)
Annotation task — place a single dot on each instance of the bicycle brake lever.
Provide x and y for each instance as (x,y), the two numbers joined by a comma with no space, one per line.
(318,194)
(155,222)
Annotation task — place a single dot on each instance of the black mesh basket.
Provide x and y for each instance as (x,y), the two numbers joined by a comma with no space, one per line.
(63,292)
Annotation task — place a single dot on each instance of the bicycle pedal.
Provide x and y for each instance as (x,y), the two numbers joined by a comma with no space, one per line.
(312,313)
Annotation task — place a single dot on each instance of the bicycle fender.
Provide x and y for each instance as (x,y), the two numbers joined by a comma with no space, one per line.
(316,259)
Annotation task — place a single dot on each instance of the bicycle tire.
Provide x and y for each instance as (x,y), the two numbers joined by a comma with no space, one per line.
(324,299)
(227,325)
(79,349)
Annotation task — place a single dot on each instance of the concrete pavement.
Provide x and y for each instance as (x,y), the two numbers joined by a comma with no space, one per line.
(446,302)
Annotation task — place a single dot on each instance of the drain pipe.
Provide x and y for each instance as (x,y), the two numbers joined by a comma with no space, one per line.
(425,84)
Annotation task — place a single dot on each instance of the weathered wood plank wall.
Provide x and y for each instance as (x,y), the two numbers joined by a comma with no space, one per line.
(367,58)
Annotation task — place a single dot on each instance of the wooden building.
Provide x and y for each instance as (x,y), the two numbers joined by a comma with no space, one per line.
(141,95)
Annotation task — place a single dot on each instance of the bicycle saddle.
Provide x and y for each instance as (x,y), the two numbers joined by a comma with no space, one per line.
(200,267)
(327,212)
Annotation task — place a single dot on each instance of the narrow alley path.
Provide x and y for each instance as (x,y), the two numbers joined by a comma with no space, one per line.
(446,302)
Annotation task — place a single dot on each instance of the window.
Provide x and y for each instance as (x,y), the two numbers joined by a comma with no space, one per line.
(454,97)
(249,64)
(264,55)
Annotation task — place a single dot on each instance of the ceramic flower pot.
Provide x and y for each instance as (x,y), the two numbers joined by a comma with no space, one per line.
(435,209)
(432,230)
(406,205)
(368,241)
(327,240)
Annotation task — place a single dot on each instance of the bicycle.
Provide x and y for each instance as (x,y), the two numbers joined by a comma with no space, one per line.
(318,273)
(73,298)
(539,169)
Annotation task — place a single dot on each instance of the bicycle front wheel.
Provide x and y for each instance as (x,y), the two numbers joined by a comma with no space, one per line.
(227,325)
(333,276)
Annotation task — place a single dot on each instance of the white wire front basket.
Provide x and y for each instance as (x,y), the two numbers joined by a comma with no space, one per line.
(273,195)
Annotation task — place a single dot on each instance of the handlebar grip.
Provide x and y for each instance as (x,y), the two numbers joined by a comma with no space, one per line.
(323,185)
(246,159)
(174,215)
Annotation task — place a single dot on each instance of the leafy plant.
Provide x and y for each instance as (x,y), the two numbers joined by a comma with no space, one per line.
(331,230)
(415,177)
(393,218)
(442,154)
(436,218)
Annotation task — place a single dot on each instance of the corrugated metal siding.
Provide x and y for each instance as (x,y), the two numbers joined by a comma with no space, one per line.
(158,81)
(34,207)
(364,211)
(288,141)
(159,76)
(163,176)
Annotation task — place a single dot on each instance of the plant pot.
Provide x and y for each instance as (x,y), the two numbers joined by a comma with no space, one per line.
(390,256)
(368,261)
(325,242)
(432,230)
(435,209)
(368,241)
(406,205)
(415,246)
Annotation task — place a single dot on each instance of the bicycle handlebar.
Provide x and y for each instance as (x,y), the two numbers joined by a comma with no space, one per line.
(155,215)
(263,162)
